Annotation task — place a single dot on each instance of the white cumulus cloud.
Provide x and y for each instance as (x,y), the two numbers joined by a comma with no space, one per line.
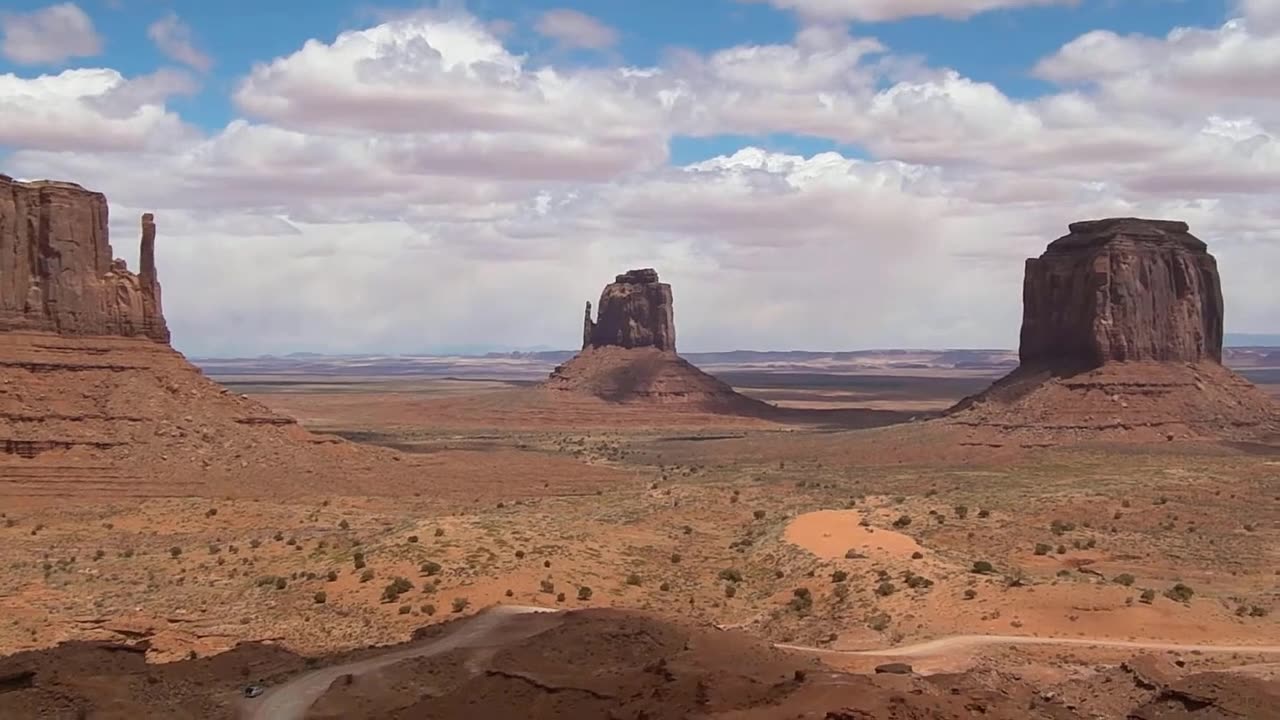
(48,35)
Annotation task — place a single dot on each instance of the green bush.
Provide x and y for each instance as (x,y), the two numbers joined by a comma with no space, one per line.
(396,588)
(460,604)
(584,593)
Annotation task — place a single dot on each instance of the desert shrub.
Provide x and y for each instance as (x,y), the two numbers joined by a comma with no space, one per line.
(266,581)
(880,621)
(961,511)
(916,582)
(281,583)
(278,536)
(676,558)
(548,586)
(367,575)
(320,598)
(839,576)
(519,554)
(584,593)
(758,514)
(331,576)
(687,530)
(984,513)
(731,575)
(211,512)
(560,597)
(1148,596)
(546,563)
(396,588)
(175,551)
(665,587)
(801,600)
(633,579)
(510,592)
(428,609)
(99,554)
(1257,611)
(1062,549)
(255,543)
(853,554)
(412,538)
(1124,579)
(902,521)
(439,532)
(982,566)
(1043,548)
(1162,500)
(344,525)
(886,589)
(291,541)
(917,555)
(970,594)
(1090,544)
(430,568)
(1180,593)
(460,604)
(730,590)
(405,609)
(841,591)
(1058,527)
(128,553)
(899,499)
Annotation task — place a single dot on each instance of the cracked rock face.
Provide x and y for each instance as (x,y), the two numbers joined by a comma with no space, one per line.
(1122,289)
(635,311)
(56,268)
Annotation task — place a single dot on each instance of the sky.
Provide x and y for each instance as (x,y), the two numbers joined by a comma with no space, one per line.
(408,177)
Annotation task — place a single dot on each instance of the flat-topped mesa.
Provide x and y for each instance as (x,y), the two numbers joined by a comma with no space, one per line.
(56,268)
(635,311)
(1122,289)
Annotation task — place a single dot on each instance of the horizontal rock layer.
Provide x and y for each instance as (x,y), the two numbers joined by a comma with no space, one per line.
(1122,289)
(56,268)
(635,311)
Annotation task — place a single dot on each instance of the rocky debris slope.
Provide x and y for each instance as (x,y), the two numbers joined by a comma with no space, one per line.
(57,272)
(1121,335)
(596,664)
(629,354)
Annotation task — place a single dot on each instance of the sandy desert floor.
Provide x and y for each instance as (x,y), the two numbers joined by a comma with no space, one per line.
(805,533)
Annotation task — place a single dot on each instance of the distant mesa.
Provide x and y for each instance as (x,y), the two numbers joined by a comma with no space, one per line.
(629,354)
(1122,332)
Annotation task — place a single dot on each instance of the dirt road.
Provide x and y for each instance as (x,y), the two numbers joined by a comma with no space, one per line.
(968,642)
(291,700)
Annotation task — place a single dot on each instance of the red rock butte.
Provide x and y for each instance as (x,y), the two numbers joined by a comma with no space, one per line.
(93,400)
(629,354)
(1122,333)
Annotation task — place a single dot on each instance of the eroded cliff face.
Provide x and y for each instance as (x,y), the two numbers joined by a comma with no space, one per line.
(56,268)
(1122,289)
(635,311)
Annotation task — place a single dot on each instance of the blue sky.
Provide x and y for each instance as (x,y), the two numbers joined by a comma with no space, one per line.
(809,174)
(998,47)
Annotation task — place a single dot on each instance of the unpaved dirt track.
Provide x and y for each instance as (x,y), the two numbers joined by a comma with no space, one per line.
(291,700)
(966,642)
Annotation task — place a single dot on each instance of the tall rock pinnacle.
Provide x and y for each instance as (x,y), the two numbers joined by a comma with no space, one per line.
(56,267)
(1122,289)
(635,311)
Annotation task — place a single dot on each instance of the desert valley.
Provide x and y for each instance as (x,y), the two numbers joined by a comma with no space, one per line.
(1088,528)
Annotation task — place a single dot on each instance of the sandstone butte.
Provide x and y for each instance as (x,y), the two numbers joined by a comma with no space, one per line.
(1122,333)
(92,396)
(629,354)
